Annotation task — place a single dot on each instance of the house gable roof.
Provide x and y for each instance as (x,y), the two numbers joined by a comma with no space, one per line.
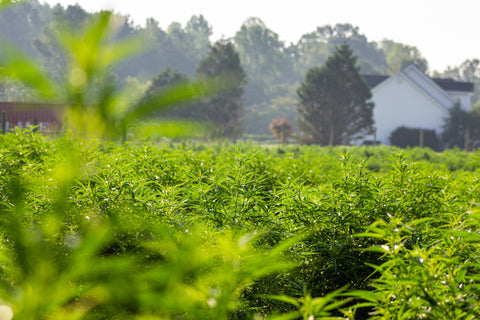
(442,91)
(373,80)
(395,79)
(429,86)
(446,84)
(453,85)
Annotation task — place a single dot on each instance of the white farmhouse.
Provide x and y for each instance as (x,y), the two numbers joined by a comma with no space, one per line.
(410,98)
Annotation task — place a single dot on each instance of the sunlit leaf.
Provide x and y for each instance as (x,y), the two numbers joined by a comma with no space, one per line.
(6,3)
(16,65)
(283,298)
(170,97)
(168,129)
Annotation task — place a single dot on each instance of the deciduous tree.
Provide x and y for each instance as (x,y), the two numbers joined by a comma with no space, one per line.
(469,71)
(400,56)
(325,39)
(281,129)
(265,60)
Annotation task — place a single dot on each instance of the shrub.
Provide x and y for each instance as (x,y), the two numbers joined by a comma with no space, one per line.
(410,137)
(281,129)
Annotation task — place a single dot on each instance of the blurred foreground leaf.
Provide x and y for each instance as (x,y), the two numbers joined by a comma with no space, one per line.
(14,64)
(5,3)
(168,129)
(95,104)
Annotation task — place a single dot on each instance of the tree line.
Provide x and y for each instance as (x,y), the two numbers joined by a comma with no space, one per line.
(334,109)
(273,69)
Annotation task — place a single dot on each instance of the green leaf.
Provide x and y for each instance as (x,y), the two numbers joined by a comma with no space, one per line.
(6,3)
(283,298)
(286,316)
(370,296)
(168,129)
(16,65)
(169,97)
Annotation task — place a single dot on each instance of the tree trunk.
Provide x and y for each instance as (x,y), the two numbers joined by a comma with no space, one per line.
(124,133)
(330,141)
(4,122)
(467,138)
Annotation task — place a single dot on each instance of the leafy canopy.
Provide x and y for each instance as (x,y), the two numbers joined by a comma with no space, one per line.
(333,102)
(224,109)
(461,128)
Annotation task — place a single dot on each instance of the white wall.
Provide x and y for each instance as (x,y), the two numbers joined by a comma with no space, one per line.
(399,103)
(425,83)
(465,98)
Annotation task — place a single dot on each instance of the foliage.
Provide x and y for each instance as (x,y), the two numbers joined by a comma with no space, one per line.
(466,71)
(97,230)
(197,230)
(333,103)
(224,109)
(469,71)
(428,271)
(265,60)
(179,48)
(400,56)
(257,117)
(23,21)
(461,128)
(314,48)
(404,137)
(281,128)
(272,67)
(95,105)
(163,80)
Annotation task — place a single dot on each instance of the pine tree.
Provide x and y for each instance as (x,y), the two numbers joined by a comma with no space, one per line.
(461,128)
(333,102)
(165,79)
(224,109)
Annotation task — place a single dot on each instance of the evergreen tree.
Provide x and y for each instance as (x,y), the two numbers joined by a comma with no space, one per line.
(224,109)
(168,80)
(333,102)
(165,79)
(461,128)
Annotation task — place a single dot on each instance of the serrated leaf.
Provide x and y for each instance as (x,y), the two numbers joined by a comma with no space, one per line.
(283,298)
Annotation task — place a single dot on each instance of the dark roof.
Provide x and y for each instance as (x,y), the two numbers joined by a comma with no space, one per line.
(453,85)
(446,84)
(373,80)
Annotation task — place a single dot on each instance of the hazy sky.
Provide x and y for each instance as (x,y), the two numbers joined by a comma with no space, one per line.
(446,32)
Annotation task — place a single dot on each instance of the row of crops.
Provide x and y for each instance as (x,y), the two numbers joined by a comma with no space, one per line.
(92,230)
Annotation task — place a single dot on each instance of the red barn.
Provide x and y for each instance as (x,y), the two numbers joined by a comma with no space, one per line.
(18,114)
